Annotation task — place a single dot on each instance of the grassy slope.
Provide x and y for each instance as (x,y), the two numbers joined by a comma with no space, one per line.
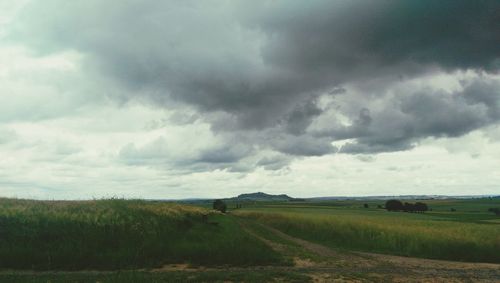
(469,234)
(112,234)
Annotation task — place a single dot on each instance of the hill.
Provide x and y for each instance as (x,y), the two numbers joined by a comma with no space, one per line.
(260,196)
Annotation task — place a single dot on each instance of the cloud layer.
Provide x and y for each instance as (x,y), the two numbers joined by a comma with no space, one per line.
(265,65)
(241,87)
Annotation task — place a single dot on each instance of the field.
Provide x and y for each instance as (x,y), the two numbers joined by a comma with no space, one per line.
(470,233)
(117,234)
(150,241)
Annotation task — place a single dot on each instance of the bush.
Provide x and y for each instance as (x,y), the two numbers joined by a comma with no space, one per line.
(495,210)
(220,206)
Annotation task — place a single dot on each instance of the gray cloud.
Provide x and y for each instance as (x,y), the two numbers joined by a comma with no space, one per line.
(225,154)
(275,162)
(301,117)
(351,39)
(408,118)
(303,145)
(257,70)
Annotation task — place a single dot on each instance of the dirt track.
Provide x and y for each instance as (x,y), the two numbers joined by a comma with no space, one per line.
(330,265)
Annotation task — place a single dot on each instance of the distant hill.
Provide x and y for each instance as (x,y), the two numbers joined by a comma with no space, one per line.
(260,196)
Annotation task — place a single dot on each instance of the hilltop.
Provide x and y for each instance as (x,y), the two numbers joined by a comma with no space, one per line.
(260,196)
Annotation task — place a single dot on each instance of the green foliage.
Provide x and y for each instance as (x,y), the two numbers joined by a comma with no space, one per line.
(394,205)
(220,206)
(495,210)
(111,234)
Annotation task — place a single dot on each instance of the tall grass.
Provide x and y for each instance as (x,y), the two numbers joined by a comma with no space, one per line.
(111,234)
(395,233)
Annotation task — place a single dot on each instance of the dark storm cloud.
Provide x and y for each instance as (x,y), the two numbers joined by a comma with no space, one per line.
(351,39)
(265,64)
(303,145)
(426,113)
(301,117)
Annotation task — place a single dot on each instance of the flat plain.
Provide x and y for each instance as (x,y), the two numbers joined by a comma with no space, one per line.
(307,241)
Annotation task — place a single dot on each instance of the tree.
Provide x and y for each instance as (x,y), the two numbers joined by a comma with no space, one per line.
(421,207)
(495,210)
(393,205)
(365,205)
(219,205)
(408,207)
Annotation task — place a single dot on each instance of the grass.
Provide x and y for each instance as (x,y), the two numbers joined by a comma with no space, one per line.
(290,249)
(121,240)
(144,276)
(121,234)
(469,234)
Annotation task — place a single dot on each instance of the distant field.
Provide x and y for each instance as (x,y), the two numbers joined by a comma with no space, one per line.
(117,234)
(470,233)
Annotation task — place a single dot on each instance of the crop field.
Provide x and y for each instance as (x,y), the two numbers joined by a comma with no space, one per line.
(312,241)
(469,233)
(114,234)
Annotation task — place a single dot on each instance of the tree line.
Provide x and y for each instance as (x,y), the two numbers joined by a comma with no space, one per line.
(396,205)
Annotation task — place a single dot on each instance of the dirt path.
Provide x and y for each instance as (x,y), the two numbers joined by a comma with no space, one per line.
(338,266)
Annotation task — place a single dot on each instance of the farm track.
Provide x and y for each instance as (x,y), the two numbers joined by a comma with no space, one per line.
(340,266)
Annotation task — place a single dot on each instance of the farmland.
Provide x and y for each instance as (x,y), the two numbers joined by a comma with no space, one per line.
(469,233)
(116,234)
(151,241)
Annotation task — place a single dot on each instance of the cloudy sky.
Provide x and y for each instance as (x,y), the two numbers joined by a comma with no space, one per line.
(178,99)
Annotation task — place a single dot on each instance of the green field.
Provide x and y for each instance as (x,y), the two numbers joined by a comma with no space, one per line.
(143,276)
(470,233)
(116,234)
(134,240)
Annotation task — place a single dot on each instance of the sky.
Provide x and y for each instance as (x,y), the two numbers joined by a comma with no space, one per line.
(205,99)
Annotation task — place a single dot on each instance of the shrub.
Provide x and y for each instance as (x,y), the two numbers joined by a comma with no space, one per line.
(495,210)
(220,206)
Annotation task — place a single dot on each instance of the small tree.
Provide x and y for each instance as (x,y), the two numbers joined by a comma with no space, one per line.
(219,205)
(365,205)
(421,207)
(408,207)
(495,210)
(394,205)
